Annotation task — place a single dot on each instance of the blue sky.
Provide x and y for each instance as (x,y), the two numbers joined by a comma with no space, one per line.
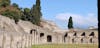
(83,12)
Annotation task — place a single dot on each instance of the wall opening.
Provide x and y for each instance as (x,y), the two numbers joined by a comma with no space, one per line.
(91,34)
(75,34)
(90,40)
(73,40)
(32,30)
(49,38)
(83,34)
(82,40)
(65,37)
(41,34)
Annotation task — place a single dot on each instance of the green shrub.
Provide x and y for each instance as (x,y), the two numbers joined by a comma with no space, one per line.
(12,14)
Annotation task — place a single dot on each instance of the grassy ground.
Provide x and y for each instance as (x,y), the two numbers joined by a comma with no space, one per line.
(66,46)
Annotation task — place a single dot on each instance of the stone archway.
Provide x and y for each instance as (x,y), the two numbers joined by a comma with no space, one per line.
(92,34)
(75,34)
(65,37)
(49,38)
(83,34)
(41,38)
(31,31)
(41,34)
(33,36)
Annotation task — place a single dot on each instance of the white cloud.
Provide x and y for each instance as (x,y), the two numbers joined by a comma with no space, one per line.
(88,20)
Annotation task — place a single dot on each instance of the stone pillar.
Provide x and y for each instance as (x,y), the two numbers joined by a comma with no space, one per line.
(69,40)
(77,40)
(25,41)
(95,40)
(34,37)
(37,38)
(86,39)
(3,41)
(31,40)
(11,41)
(17,44)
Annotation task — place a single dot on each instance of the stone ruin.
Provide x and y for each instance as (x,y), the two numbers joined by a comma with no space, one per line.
(25,34)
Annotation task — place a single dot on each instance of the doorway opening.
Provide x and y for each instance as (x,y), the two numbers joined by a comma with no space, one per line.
(83,34)
(49,38)
(92,34)
(65,37)
(90,40)
(41,34)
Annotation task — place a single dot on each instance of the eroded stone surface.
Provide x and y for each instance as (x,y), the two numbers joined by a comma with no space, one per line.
(24,34)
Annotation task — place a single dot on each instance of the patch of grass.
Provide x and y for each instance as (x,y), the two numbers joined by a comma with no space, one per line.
(66,46)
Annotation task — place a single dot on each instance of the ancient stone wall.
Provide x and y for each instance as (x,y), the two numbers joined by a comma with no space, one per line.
(25,34)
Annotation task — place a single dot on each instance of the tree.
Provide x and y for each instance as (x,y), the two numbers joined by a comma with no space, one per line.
(36,13)
(4,3)
(12,13)
(26,14)
(15,5)
(70,23)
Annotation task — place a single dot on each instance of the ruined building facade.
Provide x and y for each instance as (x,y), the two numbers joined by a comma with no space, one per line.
(25,34)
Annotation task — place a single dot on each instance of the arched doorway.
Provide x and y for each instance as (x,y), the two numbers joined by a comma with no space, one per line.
(65,37)
(92,34)
(75,34)
(49,38)
(32,30)
(41,34)
(83,34)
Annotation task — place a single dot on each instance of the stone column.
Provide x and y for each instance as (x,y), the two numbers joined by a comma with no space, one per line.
(17,45)
(30,41)
(11,41)
(36,37)
(95,40)
(3,41)
(25,41)
(69,39)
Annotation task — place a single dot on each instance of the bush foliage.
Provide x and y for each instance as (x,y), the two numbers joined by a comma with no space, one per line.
(14,12)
